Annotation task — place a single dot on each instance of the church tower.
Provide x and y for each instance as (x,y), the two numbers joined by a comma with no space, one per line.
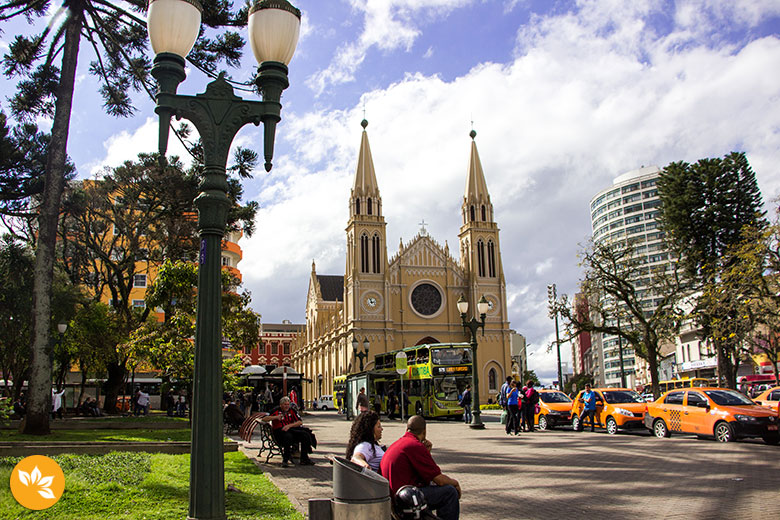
(480,254)
(366,262)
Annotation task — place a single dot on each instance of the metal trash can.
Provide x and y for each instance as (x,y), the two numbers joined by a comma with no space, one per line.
(359,493)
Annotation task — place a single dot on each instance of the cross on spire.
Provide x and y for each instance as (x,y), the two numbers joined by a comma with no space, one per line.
(423,231)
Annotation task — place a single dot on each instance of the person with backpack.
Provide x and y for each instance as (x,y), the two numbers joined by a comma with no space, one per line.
(531,401)
(513,400)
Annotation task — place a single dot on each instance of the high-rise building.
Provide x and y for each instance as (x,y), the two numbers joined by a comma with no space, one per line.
(627,210)
(408,298)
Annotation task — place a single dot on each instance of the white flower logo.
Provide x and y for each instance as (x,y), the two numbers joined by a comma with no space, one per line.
(37,479)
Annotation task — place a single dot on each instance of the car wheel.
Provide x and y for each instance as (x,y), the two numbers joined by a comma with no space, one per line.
(543,422)
(660,430)
(612,426)
(324,407)
(724,432)
(771,438)
(575,424)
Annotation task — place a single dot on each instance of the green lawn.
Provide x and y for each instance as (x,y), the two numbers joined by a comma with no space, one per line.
(140,486)
(98,436)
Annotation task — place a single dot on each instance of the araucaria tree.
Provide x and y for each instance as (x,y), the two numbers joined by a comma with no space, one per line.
(47,63)
(704,209)
(627,298)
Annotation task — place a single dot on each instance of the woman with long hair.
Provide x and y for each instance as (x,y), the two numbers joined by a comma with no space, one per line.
(363,447)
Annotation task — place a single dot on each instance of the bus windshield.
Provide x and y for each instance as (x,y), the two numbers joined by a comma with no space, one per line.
(554,397)
(451,356)
(622,396)
(449,388)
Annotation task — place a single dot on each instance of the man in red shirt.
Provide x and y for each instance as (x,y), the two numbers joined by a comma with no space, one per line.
(287,431)
(408,461)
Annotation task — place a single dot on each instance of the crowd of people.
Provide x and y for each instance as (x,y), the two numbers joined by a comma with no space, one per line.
(520,404)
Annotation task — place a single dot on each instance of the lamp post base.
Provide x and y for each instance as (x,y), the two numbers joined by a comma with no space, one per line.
(476,423)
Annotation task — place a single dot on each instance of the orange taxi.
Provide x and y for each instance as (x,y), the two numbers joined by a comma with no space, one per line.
(554,409)
(722,413)
(616,409)
(769,398)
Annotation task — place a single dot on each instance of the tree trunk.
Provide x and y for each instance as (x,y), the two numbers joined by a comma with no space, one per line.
(652,363)
(114,383)
(36,420)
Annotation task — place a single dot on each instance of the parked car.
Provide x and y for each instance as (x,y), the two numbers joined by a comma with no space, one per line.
(616,409)
(325,402)
(722,413)
(554,409)
(770,397)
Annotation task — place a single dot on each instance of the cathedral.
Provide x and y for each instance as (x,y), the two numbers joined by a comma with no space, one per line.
(389,303)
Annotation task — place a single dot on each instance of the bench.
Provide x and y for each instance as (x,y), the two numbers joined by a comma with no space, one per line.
(267,442)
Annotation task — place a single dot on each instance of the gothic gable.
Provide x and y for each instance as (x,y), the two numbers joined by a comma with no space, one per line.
(423,254)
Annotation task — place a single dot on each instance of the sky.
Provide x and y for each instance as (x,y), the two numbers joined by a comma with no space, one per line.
(564,97)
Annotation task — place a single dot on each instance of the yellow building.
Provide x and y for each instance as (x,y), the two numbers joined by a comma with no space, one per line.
(409,298)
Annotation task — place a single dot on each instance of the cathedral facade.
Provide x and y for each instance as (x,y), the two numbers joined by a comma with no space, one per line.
(409,298)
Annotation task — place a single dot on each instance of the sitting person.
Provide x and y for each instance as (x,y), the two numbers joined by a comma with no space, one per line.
(408,462)
(287,429)
(19,407)
(93,408)
(363,447)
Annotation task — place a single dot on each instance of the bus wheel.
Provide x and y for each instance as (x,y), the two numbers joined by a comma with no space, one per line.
(543,422)
(418,408)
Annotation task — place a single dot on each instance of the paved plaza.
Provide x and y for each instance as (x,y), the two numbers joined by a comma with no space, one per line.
(565,474)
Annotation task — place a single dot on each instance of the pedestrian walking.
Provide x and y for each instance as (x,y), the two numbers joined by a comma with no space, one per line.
(512,403)
(465,402)
(503,391)
(589,399)
(56,403)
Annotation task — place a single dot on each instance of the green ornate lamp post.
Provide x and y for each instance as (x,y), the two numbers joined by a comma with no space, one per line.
(473,326)
(360,354)
(218,115)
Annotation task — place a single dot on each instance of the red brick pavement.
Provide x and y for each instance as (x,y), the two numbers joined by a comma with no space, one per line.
(564,474)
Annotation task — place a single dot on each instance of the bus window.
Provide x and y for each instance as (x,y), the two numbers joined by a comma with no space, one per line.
(422,355)
(449,388)
(451,356)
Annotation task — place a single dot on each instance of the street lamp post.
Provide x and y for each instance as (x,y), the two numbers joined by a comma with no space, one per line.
(552,297)
(360,354)
(473,326)
(620,351)
(218,114)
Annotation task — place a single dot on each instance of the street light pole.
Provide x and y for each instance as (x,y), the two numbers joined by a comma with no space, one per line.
(218,114)
(361,355)
(620,352)
(552,297)
(473,326)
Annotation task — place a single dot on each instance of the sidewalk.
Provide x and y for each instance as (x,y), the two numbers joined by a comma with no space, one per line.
(561,473)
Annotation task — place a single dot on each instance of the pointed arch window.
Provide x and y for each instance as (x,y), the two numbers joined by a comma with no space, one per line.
(484,214)
(491,259)
(357,206)
(377,255)
(492,379)
(481,258)
(472,214)
(369,206)
(364,262)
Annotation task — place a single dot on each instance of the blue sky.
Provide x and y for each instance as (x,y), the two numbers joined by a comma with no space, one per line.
(565,96)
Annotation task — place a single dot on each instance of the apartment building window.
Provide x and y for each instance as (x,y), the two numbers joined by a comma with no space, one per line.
(632,198)
(631,187)
(648,183)
(139,280)
(286,348)
(615,213)
(649,194)
(613,204)
(631,209)
(139,304)
(614,193)
(225,261)
(652,204)
(636,229)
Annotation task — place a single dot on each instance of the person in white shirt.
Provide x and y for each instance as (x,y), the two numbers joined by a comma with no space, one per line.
(56,403)
(363,447)
(142,399)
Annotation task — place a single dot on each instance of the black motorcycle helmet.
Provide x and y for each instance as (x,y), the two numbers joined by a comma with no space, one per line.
(410,503)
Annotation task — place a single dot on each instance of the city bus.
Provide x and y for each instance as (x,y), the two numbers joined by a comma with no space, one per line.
(435,378)
(688,382)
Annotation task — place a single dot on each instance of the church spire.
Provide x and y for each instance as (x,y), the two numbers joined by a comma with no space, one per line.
(476,200)
(365,199)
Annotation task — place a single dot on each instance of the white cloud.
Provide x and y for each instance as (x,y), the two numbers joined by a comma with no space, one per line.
(588,96)
(388,25)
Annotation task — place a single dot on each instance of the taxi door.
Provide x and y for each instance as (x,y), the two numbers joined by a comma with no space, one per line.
(672,410)
(601,415)
(696,417)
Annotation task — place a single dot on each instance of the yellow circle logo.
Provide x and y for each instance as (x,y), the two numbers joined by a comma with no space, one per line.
(37,482)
